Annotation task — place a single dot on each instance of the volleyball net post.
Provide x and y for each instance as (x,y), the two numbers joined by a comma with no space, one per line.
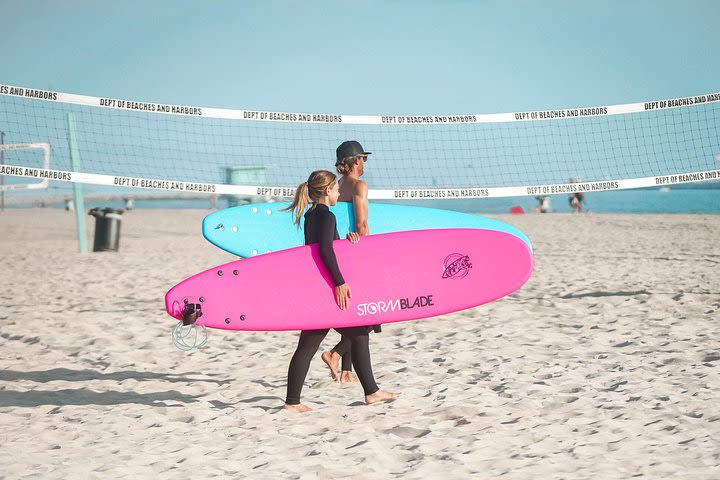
(2,177)
(77,186)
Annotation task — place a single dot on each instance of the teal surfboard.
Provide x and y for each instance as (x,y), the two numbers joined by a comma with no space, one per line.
(259,228)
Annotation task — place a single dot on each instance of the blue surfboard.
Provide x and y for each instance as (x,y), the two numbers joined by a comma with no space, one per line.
(259,228)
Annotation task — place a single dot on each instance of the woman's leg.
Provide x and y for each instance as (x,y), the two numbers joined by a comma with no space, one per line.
(360,348)
(308,344)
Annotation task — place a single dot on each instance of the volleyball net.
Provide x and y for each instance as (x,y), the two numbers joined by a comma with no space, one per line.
(126,145)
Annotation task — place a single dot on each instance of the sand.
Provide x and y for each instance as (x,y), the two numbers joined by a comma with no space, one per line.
(604,365)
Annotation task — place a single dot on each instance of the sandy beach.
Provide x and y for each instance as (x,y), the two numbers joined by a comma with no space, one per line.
(604,365)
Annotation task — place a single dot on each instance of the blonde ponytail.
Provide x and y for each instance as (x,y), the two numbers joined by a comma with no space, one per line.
(299,203)
(310,191)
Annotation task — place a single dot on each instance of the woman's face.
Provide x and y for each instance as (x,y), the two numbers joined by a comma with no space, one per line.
(334,193)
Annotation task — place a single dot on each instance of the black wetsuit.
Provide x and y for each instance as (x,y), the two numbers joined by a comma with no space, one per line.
(320,228)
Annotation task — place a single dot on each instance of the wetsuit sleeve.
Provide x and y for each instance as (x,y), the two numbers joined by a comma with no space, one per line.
(326,235)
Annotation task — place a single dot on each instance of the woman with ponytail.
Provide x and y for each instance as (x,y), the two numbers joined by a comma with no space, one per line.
(320,192)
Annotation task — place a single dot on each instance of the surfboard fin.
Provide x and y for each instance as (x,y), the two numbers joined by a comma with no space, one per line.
(191,313)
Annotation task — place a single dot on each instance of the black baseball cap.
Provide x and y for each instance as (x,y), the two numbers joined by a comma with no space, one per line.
(350,148)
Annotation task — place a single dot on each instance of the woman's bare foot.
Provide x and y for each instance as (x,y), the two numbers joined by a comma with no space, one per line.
(332,360)
(300,408)
(381,396)
(346,376)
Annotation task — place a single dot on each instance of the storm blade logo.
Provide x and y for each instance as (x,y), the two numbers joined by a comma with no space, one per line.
(456,266)
(373,308)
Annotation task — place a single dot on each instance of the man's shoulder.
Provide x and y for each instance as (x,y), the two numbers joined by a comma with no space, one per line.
(351,188)
(359,186)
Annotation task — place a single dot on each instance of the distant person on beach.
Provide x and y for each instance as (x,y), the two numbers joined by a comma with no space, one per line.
(350,163)
(576,199)
(320,192)
(543,204)
(576,202)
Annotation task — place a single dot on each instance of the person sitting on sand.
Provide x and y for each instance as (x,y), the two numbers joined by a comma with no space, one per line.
(320,192)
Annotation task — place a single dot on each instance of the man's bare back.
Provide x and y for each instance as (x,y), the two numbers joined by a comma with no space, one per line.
(354,190)
(349,187)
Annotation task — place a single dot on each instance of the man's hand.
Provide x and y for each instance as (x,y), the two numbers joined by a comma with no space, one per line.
(353,237)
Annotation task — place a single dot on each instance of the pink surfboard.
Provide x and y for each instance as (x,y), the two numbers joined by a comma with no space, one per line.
(393,277)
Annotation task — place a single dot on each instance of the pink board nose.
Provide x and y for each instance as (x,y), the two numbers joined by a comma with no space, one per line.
(394,277)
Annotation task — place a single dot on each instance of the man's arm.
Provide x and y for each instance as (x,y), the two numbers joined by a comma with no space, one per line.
(360,207)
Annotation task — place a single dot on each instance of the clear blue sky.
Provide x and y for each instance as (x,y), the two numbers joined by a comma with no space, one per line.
(365,56)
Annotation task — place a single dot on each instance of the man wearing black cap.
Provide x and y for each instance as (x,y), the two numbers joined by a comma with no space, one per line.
(350,163)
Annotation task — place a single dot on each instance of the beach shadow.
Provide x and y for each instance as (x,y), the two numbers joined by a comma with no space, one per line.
(607,294)
(42,376)
(277,403)
(281,383)
(84,396)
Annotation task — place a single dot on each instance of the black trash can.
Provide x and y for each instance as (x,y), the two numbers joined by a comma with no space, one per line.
(107,229)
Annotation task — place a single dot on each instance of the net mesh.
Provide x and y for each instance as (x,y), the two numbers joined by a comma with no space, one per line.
(419,152)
